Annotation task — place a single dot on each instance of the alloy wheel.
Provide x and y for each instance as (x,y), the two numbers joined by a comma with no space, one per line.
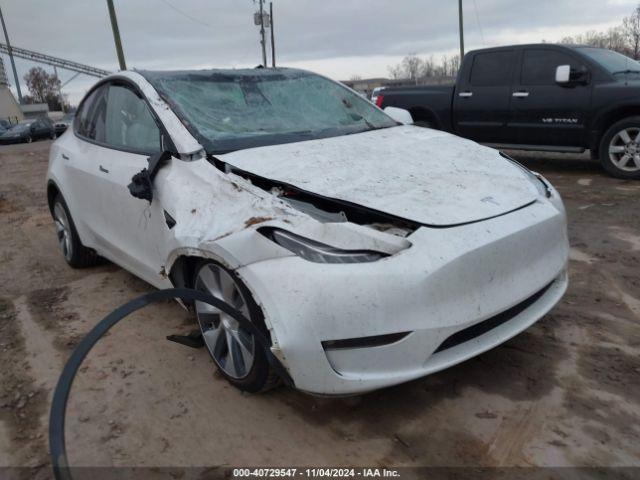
(63,230)
(231,346)
(624,149)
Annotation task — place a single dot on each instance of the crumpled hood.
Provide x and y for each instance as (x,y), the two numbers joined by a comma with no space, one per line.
(424,175)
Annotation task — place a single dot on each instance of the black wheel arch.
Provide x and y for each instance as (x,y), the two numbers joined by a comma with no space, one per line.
(52,192)
(606,119)
(422,114)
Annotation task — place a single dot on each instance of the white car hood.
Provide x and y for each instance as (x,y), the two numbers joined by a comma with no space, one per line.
(424,175)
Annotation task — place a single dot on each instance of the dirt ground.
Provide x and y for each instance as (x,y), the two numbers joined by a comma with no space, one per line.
(564,393)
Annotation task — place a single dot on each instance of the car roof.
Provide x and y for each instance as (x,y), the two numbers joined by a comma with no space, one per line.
(531,45)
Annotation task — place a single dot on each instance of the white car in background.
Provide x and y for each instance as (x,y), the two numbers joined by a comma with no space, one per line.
(369,252)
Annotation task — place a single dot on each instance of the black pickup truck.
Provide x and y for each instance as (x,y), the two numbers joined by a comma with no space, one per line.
(538,97)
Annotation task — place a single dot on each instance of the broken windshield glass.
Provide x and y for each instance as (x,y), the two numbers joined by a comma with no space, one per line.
(236,109)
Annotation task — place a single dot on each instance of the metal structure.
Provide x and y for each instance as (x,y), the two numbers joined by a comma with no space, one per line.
(54,61)
(263,43)
(4,81)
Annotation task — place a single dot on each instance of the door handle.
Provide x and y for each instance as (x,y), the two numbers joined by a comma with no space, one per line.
(65,157)
(521,94)
(465,94)
(103,170)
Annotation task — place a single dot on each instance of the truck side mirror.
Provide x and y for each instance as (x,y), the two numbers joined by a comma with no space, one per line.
(400,115)
(563,74)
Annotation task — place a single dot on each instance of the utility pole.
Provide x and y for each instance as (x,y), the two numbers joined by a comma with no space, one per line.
(55,73)
(461,27)
(262,39)
(13,63)
(273,41)
(116,35)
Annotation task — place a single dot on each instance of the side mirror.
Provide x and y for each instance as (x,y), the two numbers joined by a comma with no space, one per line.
(400,115)
(563,74)
(141,185)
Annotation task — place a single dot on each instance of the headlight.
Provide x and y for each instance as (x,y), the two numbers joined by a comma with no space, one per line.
(538,180)
(542,185)
(318,252)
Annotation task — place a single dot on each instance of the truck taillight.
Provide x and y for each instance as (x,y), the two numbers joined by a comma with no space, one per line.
(379,100)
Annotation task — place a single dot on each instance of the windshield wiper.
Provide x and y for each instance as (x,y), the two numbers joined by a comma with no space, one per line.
(625,71)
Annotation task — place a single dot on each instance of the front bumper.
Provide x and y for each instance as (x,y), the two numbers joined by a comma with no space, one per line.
(450,279)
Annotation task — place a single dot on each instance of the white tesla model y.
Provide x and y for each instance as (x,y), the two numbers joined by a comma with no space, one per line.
(370,252)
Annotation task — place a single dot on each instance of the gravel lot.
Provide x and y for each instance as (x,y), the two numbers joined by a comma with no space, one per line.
(565,392)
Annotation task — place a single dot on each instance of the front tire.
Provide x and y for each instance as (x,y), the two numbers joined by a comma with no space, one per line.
(620,149)
(76,254)
(237,355)
(29,139)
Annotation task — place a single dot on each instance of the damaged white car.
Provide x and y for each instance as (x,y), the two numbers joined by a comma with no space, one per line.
(370,252)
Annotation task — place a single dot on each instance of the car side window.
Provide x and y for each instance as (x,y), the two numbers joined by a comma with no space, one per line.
(90,120)
(539,66)
(129,123)
(492,69)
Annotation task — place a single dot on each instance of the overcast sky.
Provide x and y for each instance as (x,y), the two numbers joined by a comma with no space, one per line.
(339,38)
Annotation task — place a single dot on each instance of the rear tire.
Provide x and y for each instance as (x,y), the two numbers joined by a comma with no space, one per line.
(239,358)
(76,254)
(620,149)
(29,139)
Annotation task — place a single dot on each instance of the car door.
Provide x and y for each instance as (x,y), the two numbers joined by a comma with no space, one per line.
(136,230)
(37,129)
(79,157)
(545,113)
(483,96)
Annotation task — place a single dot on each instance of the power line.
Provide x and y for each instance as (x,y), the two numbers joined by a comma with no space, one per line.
(186,15)
(475,7)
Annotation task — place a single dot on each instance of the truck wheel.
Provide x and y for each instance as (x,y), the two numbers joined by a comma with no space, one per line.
(620,149)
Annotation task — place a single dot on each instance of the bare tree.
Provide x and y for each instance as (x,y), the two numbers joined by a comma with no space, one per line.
(631,27)
(616,41)
(624,39)
(416,69)
(395,71)
(412,67)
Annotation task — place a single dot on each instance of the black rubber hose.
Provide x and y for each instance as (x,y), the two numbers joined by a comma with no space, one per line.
(57,442)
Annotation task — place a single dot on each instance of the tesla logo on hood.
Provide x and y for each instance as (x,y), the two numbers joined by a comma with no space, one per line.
(489,200)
